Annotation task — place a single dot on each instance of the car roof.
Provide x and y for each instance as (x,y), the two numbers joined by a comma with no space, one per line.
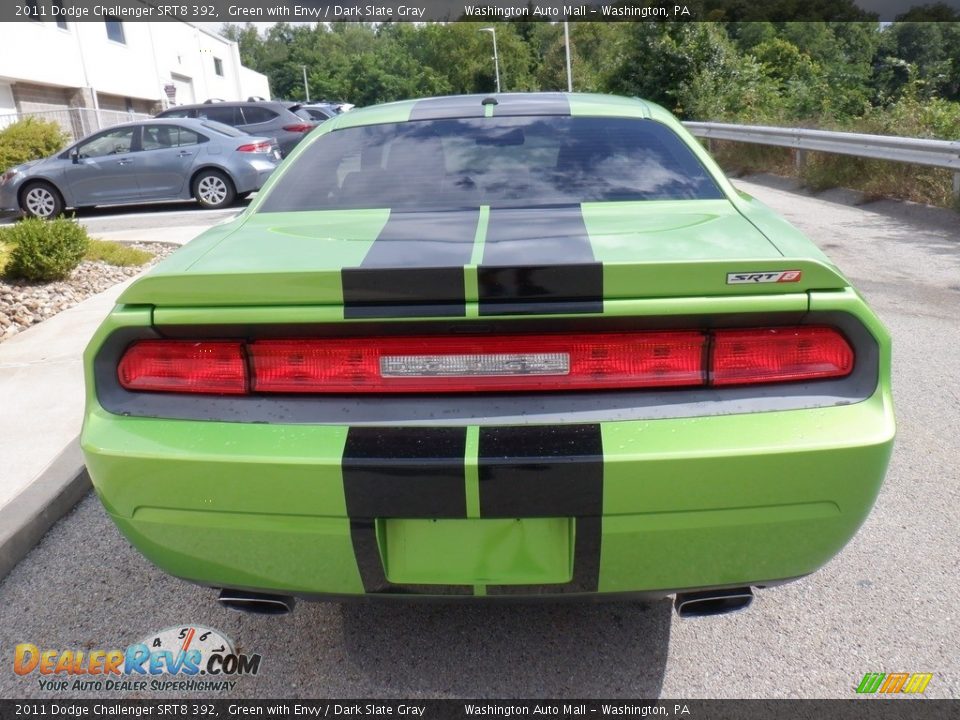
(506,104)
(221,103)
(195,123)
(199,122)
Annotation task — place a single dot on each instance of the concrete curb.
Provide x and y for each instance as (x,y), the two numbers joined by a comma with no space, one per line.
(26,518)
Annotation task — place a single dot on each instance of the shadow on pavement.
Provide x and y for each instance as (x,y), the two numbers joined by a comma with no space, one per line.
(85,587)
(569,649)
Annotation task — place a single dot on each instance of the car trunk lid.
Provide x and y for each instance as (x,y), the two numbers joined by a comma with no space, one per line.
(481,261)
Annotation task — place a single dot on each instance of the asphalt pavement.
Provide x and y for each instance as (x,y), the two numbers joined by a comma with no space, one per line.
(890,602)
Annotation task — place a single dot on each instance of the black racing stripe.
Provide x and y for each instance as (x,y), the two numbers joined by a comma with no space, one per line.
(546,103)
(547,471)
(414,267)
(541,471)
(405,473)
(539,261)
(455,106)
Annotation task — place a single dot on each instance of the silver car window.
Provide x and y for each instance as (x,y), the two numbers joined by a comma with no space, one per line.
(187,137)
(159,137)
(113,142)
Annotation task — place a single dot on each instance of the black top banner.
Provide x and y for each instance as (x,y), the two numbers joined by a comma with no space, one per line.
(453,709)
(241,11)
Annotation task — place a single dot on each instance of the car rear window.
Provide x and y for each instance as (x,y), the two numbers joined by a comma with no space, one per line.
(256,115)
(221,113)
(310,114)
(501,162)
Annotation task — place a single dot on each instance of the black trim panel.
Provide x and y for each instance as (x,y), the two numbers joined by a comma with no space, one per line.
(471,106)
(567,280)
(490,408)
(542,103)
(414,267)
(454,106)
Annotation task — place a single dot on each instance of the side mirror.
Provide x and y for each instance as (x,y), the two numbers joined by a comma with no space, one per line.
(75,156)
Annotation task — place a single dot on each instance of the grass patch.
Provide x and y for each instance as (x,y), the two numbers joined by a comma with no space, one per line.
(114,253)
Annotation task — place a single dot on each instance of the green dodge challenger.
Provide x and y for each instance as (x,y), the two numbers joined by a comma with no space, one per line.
(521,345)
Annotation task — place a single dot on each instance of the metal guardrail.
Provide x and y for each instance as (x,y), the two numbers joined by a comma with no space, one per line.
(918,151)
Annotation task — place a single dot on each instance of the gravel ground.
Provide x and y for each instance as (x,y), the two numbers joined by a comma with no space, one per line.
(24,303)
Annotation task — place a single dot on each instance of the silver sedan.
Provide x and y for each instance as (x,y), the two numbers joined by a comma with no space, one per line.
(143,161)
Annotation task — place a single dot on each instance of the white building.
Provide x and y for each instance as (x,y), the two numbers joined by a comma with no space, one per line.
(92,74)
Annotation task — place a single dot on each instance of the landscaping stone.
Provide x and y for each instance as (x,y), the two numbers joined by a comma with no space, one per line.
(24,303)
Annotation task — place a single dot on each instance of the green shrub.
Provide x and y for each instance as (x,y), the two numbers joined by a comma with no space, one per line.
(5,250)
(114,253)
(45,249)
(29,139)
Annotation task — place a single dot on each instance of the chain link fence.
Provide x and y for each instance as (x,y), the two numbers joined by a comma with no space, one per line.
(77,122)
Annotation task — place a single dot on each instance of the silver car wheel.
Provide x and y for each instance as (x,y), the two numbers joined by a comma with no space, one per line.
(212,190)
(40,202)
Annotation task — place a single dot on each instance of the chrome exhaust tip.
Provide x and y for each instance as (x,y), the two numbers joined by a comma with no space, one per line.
(712,602)
(256,603)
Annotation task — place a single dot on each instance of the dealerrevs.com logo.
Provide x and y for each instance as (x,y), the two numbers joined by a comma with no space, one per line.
(180,659)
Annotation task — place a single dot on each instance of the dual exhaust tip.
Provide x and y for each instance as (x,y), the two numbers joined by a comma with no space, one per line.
(256,603)
(712,602)
(702,603)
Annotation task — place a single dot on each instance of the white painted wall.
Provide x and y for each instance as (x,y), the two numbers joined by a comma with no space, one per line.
(253,84)
(83,56)
(41,53)
(7,106)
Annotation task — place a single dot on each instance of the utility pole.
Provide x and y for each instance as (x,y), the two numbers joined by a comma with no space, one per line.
(496,58)
(306,87)
(566,41)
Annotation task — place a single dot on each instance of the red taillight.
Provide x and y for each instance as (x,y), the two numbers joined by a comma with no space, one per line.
(768,355)
(489,363)
(299,127)
(478,363)
(184,366)
(260,147)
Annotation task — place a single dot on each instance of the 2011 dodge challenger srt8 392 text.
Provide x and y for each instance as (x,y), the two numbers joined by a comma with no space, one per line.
(516,345)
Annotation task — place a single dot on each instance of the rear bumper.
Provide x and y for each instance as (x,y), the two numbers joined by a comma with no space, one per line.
(8,194)
(698,502)
(253,173)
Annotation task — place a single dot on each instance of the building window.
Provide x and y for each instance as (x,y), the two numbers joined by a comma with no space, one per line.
(59,14)
(218,66)
(115,30)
